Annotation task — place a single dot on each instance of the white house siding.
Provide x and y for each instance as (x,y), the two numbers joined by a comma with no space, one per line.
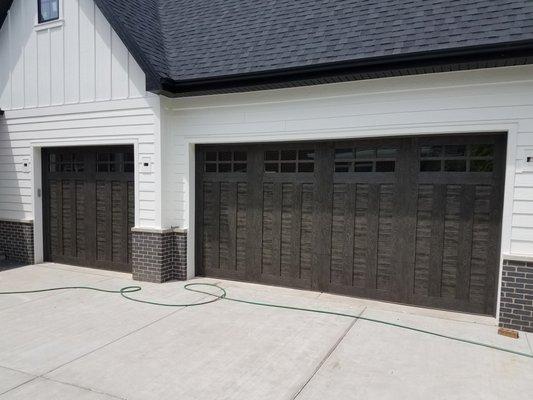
(70,82)
(492,100)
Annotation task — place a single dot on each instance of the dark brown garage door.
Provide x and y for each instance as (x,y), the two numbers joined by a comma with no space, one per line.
(410,220)
(88,202)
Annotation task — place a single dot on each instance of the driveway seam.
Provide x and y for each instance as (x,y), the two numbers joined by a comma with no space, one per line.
(328,355)
(20,385)
(31,378)
(43,375)
(118,339)
(83,388)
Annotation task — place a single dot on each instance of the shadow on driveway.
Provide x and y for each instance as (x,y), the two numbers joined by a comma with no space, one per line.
(10,264)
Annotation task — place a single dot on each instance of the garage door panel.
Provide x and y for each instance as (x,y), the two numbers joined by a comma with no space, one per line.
(211,212)
(104,215)
(56,246)
(307,231)
(362,236)
(228,226)
(454,242)
(225,226)
(80,210)
(287,230)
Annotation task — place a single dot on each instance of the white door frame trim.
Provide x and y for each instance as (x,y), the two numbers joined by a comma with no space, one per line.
(511,128)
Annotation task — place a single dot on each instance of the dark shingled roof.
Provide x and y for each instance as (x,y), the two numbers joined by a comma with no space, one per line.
(180,42)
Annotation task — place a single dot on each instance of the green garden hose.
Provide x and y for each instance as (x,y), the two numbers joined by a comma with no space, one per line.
(222,295)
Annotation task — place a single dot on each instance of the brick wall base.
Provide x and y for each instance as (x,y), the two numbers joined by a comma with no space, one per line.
(516,304)
(16,241)
(159,256)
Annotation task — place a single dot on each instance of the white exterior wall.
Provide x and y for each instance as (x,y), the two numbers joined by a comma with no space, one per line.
(68,83)
(493,100)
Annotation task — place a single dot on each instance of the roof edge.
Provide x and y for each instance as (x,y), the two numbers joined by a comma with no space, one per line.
(321,73)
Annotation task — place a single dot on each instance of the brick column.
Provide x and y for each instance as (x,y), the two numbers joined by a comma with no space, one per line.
(516,303)
(159,256)
(16,241)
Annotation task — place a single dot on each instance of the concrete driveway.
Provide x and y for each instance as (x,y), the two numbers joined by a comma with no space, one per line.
(87,345)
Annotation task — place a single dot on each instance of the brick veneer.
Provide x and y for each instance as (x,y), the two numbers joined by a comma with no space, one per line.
(16,241)
(159,256)
(516,304)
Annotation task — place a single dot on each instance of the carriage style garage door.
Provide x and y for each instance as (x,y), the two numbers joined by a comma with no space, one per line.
(88,203)
(410,220)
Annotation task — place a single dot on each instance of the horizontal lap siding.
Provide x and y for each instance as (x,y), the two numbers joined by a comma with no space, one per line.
(403,105)
(16,135)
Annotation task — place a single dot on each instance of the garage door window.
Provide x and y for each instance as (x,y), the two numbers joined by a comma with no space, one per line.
(289,161)
(225,161)
(457,158)
(69,162)
(365,160)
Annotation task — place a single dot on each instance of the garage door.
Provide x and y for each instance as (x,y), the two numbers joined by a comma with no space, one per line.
(410,220)
(88,203)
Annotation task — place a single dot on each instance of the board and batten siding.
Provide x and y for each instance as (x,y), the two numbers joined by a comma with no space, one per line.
(71,82)
(490,100)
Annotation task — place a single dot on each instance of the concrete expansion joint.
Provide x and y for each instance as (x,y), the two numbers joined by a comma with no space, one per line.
(328,354)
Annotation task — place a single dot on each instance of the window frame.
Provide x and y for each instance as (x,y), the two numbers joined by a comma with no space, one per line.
(40,20)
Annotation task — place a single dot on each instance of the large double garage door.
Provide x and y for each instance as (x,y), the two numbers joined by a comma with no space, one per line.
(88,203)
(410,220)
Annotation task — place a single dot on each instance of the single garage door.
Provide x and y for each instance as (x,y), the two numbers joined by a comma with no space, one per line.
(88,203)
(410,220)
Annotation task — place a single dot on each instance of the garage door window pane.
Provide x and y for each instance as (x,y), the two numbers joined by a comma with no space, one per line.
(430,165)
(288,155)
(271,155)
(365,154)
(342,166)
(224,156)
(102,167)
(288,167)
(455,151)
(482,150)
(224,167)
(239,167)
(211,156)
(364,167)
(271,167)
(210,167)
(455,165)
(430,151)
(306,155)
(306,167)
(344,154)
(385,166)
(387,153)
(481,165)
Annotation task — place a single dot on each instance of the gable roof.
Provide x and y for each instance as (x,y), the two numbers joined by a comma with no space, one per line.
(212,46)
